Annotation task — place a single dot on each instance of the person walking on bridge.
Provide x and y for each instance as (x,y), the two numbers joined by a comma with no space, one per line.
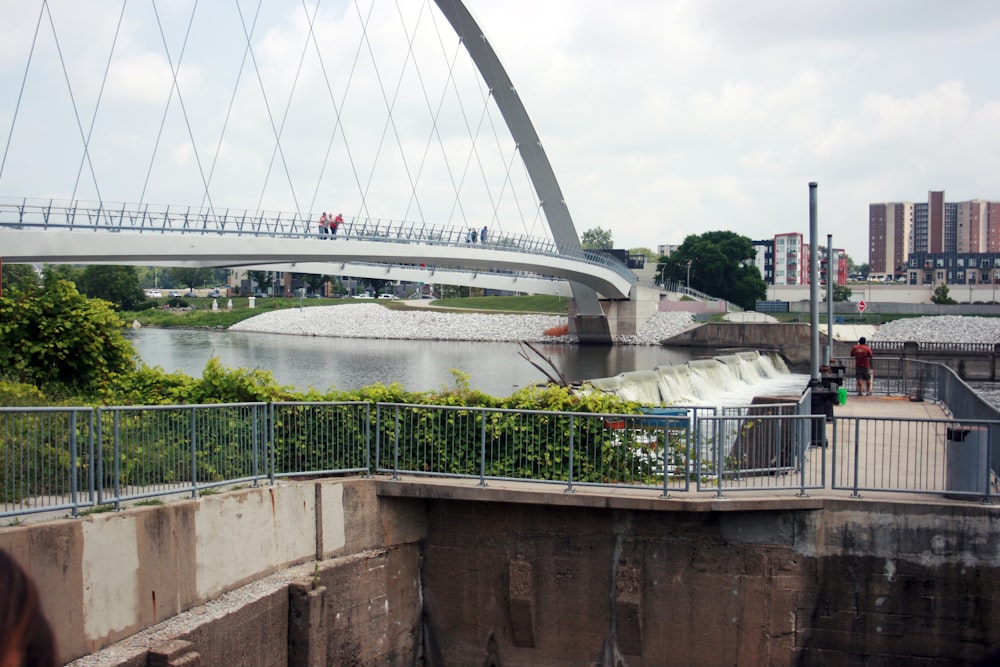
(863,366)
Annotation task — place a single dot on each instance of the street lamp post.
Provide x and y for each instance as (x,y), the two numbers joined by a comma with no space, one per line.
(688,283)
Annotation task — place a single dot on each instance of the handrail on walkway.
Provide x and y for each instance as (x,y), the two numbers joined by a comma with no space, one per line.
(119,217)
(77,459)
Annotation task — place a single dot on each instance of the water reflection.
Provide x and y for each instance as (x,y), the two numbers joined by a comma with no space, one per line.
(344,363)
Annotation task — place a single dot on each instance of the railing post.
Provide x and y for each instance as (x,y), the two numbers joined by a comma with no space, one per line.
(569,480)
(118,477)
(99,464)
(719,466)
(271,454)
(91,489)
(988,498)
(395,449)
(194,457)
(482,448)
(73,460)
(256,443)
(857,461)
(803,450)
(368,439)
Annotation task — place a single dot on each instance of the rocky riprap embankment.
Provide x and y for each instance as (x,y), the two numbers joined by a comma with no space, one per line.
(941,329)
(374,321)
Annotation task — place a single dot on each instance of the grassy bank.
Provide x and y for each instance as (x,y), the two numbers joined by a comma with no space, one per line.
(200,313)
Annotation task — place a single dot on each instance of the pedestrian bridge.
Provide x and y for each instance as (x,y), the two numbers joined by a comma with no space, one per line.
(47,232)
(403,133)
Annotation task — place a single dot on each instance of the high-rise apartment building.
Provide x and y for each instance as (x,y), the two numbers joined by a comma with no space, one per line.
(791,259)
(784,260)
(938,242)
(971,228)
(935,221)
(764,259)
(890,238)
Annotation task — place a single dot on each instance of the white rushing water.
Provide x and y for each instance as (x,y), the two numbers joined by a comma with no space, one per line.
(727,380)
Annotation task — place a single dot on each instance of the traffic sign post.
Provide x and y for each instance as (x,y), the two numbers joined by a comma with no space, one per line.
(861,306)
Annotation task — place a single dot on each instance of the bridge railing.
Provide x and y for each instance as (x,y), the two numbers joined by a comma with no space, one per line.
(147,218)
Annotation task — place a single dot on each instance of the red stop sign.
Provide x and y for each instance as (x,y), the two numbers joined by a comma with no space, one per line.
(861,306)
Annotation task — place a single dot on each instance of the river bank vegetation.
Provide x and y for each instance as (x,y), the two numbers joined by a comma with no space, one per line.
(59,347)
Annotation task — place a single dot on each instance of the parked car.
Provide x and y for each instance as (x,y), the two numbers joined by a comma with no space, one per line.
(260,295)
(191,294)
(213,294)
(153,294)
(387,296)
(313,295)
(174,294)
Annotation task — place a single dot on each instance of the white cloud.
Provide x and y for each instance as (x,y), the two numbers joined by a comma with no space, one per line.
(661,118)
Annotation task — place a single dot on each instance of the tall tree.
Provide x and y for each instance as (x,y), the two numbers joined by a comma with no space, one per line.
(597,239)
(191,277)
(20,277)
(117,284)
(261,280)
(718,263)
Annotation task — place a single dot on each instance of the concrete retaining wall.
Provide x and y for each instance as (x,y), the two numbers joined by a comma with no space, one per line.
(107,576)
(456,574)
(855,583)
(792,340)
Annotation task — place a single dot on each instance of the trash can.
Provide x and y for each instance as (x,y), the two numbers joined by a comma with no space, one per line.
(842,395)
(822,404)
(966,461)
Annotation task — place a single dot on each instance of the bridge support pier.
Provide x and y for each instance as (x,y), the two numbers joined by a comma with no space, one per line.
(620,318)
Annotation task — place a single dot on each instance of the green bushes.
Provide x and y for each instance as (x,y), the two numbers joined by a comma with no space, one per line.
(59,337)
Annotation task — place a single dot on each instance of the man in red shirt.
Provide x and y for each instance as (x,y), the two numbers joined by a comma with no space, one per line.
(863,366)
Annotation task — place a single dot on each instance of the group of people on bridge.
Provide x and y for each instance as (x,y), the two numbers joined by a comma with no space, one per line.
(329,224)
(472,236)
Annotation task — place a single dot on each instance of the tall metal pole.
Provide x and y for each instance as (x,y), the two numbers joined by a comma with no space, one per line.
(813,286)
(830,282)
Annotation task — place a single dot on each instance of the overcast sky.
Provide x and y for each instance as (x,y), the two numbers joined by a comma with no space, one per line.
(661,118)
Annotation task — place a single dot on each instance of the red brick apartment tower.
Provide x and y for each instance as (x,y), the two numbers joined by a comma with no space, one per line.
(935,221)
(902,234)
(877,238)
(993,224)
(972,233)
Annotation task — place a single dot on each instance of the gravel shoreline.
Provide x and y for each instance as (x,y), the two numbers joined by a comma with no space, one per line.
(371,320)
(941,329)
(374,321)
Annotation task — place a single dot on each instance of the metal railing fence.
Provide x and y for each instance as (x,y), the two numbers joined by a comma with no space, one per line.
(565,448)
(150,451)
(45,459)
(755,452)
(319,438)
(914,456)
(57,459)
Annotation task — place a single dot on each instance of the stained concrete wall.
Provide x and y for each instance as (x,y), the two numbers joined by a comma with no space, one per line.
(848,583)
(456,574)
(106,576)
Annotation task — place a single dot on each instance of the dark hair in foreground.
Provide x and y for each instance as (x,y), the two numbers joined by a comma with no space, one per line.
(26,639)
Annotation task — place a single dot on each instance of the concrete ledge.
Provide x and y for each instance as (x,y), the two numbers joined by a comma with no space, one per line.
(534,493)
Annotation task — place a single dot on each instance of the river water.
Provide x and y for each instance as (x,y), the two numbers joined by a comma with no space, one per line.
(419,365)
